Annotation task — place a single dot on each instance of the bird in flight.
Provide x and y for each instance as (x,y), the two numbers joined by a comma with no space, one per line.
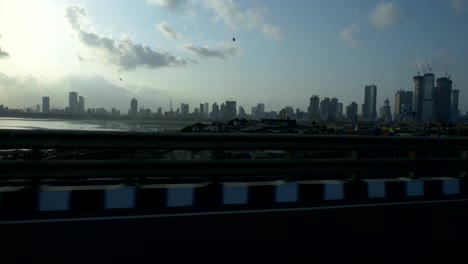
(233,39)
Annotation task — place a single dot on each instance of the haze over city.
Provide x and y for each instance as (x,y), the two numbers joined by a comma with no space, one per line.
(195,51)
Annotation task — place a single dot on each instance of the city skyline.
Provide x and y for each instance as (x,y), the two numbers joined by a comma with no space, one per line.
(183,50)
(434,100)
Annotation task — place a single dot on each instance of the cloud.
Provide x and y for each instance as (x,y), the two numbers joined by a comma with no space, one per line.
(457,6)
(384,15)
(348,33)
(168,31)
(219,52)
(3,54)
(229,12)
(173,5)
(124,53)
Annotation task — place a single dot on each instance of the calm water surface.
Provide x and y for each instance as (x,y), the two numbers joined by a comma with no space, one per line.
(92,125)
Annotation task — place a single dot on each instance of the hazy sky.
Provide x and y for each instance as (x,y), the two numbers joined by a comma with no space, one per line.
(285,51)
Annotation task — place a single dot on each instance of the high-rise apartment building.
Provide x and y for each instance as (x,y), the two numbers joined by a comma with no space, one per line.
(403,111)
(133,112)
(81,105)
(73,102)
(45,104)
(352,112)
(455,111)
(231,110)
(369,108)
(443,100)
(314,108)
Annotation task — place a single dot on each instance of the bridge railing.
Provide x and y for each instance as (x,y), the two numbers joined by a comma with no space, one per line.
(40,187)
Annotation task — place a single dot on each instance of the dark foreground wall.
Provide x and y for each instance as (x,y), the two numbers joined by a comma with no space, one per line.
(418,229)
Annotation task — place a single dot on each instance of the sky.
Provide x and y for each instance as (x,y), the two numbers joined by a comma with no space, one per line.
(111,51)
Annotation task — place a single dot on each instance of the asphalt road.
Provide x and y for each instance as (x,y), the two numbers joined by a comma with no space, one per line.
(338,232)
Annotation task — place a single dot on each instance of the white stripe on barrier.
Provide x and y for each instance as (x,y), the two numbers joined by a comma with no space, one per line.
(120,198)
(235,194)
(180,196)
(451,186)
(333,190)
(54,200)
(415,187)
(287,192)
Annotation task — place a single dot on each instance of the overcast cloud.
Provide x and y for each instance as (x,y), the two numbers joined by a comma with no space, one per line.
(125,54)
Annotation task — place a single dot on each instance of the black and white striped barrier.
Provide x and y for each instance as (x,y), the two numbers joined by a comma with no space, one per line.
(98,198)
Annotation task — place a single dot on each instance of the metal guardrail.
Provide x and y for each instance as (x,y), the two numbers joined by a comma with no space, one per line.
(50,139)
(68,188)
(330,169)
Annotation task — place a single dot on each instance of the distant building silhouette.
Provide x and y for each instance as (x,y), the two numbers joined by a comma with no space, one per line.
(231,110)
(215,112)
(403,111)
(45,105)
(443,100)
(73,102)
(369,108)
(133,112)
(352,112)
(184,110)
(455,111)
(324,105)
(418,97)
(222,111)
(428,99)
(207,110)
(339,111)
(242,113)
(287,113)
(81,105)
(333,109)
(314,108)
(386,112)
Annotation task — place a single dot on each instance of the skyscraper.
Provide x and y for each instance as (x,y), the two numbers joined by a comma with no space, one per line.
(333,109)
(369,108)
(260,113)
(324,105)
(314,108)
(231,110)
(184,109)
(215,112)
(386,112)
(403,106)
(418,96)
(45,104)
(73,102)
(81,105)
(352,112)
(339,111)
(455,111)
(207,110)
(133,112)
(428,98)
(443,100)
(201,115)
(222,111)
(242,113)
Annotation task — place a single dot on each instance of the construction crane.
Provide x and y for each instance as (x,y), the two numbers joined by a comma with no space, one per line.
(424,68)
(417,68)
(429,66)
